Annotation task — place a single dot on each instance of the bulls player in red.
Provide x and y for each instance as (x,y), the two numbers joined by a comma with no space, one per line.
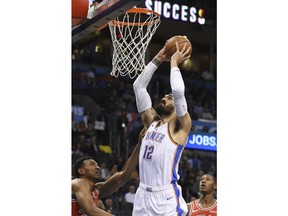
(85,190)
(206,205)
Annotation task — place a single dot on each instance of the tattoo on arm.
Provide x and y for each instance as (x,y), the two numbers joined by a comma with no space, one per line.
(156,61)
(110,186)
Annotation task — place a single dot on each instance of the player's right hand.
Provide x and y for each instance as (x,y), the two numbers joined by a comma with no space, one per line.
(162,56)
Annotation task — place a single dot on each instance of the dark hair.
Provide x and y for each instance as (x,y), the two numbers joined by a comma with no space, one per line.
(213,175)
(79,163)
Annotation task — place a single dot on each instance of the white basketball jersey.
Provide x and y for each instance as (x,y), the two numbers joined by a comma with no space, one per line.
(159,157)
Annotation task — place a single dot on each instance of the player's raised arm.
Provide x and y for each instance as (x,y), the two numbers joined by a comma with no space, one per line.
(178,87)
(143,99)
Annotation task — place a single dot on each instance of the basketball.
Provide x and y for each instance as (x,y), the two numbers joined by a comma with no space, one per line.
(171,44)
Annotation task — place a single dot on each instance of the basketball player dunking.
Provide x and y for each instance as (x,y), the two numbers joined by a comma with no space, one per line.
(168,127)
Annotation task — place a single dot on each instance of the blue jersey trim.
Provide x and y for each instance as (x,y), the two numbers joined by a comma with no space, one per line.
(175,162)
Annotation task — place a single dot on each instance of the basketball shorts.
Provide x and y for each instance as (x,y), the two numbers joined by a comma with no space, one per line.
(160,201)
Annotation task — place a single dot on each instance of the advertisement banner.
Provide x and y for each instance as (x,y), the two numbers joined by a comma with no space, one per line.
(78,113)
(202,141)
(189,11)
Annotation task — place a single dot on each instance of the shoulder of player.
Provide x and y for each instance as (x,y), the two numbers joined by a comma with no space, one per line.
(190,206)
(79,183)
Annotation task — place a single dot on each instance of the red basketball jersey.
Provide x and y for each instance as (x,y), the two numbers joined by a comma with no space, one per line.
(196,210)
(77,210)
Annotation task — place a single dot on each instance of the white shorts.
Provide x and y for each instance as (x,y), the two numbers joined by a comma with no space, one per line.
(160,201)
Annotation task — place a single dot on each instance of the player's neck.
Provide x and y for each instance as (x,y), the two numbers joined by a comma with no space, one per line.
(206,201)
(90,182)
(165,119)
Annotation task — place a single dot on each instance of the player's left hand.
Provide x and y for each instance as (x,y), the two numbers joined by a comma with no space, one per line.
(181,55)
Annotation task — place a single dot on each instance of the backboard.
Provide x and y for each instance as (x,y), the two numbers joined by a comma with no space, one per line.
(105,11)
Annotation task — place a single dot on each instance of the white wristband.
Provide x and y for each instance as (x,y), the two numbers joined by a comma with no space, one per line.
(178,91)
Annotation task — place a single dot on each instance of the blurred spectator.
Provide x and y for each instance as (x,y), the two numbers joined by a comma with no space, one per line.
(90,130)
(75,55)
(82,84)
(77,152)
(82,140)
(104,172)
(135,178)
(206,114)
(90,76)
(130,196)
(91,147)
(74,123)
(197,111)
(86,118)
(109,207)
(82,127)
(114,169)
(120,162)
(207,75)
(100,126)
(195,161)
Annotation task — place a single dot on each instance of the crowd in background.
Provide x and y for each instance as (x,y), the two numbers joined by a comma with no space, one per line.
(117,93)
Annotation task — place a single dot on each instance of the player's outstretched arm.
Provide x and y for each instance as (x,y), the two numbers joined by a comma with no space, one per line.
(119,178)
(178,88)
(143,99)
(81,190)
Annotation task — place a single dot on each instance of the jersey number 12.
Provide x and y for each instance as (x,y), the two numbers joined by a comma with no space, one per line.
(148,152)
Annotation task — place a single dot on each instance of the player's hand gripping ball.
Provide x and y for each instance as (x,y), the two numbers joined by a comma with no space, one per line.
(170,45)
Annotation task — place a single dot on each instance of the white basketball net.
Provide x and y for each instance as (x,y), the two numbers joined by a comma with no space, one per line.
(130,38)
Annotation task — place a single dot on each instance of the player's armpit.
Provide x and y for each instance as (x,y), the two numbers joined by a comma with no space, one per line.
(186,122)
